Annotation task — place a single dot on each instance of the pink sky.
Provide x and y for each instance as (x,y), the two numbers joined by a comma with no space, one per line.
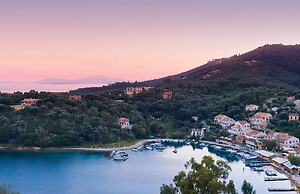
(134,39)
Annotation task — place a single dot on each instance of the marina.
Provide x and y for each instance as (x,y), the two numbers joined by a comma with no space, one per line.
(94,171)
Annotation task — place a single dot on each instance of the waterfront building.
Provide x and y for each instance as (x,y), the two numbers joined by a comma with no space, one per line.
(240,128)
(265,154)
(197,132)
(286,140)
(253,143)
(224,121)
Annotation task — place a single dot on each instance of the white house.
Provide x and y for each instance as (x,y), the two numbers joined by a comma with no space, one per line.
(257,135)
(239,128)
(197,132)
(252,107)
(224,121)
(260,120)
(286,140)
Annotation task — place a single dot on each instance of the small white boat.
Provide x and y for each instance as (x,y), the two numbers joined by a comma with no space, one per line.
(148,148)
(159,147)
(120,156)
(134,149)
(271,173)
(258,169)
(231,151)
(202,144)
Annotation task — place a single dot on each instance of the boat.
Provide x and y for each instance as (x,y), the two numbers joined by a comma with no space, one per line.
(258,169)
(202,144)
(120,156)
(148,148)
(251,158)
(175,151)
(231,151)
(134,149)
(159,147)
(140,148)
(271,173)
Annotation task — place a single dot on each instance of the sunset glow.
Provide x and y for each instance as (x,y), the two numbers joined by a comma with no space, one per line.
(134,39)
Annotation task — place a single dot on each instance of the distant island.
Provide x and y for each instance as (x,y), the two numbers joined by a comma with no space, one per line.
(85,80)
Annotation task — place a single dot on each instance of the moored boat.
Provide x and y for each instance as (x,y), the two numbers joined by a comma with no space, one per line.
(120,156)
(258,169)
(271,173)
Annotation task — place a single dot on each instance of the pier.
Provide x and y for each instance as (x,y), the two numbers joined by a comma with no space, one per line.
(276,178)
(281,190)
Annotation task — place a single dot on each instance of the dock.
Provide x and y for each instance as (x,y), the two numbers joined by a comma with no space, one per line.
(281,190)
(276,178)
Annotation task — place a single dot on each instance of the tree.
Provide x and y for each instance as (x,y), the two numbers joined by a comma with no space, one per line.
(271,145)
(295,160)
(231,188)
(168,189)
(247,188)
(206,177)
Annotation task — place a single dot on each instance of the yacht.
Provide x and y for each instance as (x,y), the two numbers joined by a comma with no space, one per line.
(120,156)
(270,172)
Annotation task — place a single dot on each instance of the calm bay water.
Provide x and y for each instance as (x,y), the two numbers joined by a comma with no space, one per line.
(25,87)
(79,172)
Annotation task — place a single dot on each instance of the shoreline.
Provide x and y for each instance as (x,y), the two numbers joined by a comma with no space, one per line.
(82,149)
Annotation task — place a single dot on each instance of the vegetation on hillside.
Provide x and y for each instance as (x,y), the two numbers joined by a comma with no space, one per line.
(221,86)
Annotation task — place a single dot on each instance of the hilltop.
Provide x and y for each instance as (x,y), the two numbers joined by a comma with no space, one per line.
(269,66)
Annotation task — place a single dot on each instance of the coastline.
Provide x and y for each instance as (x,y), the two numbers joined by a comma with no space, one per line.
(82,149)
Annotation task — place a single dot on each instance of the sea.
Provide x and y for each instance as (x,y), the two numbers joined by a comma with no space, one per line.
(45,172)
(25,87)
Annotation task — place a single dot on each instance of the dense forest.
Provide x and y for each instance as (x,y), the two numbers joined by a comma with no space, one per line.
(221,86)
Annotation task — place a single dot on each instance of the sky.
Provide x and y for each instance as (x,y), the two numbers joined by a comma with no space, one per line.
(134,39)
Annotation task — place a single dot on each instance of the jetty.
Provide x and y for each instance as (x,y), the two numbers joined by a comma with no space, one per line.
(276,178)
(281,190)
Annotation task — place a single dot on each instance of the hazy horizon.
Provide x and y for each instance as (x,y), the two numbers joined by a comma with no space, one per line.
(134,40)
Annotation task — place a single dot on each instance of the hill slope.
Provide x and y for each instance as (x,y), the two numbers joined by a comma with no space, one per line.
(269,65)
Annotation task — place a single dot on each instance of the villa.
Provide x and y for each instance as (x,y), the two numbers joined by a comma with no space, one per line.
(240,128)
(167,95)
(257,135)
(260,120)
(286,140)
(224,121)
(29,102)
(252,107)
(75,98)
(124,123)
(131,91)
(197,132)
